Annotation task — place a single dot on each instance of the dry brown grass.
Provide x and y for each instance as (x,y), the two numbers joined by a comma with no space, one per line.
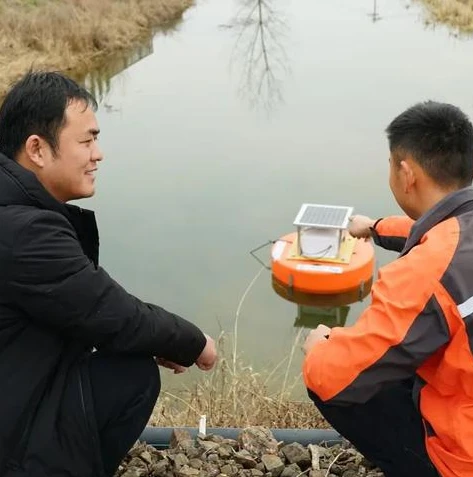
(72,35)
(454,13)
(234,395)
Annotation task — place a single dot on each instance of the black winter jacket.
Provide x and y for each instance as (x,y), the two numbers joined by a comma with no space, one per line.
(56,305)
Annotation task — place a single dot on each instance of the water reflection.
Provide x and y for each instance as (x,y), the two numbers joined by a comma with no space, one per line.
(331,300)
(329,310)
(98,79)
(312,316)
(375,17)
(259,52)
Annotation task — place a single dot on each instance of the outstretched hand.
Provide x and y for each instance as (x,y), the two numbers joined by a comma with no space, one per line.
(360,226)
(206,360)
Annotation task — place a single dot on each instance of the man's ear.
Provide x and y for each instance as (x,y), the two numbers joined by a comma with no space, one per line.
(34,150)
(408,174)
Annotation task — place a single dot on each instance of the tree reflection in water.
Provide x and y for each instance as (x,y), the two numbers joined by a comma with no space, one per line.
(259,52)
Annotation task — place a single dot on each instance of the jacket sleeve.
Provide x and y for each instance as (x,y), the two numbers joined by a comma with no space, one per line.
(403,326)
(57,286)
(391,232)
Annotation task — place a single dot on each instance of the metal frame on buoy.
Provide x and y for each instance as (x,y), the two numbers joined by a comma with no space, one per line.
(298,268)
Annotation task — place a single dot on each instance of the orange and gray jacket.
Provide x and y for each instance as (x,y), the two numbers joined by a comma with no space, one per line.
(420,323)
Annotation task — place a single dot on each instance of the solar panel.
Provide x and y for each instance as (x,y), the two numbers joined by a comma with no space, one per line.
(323,216)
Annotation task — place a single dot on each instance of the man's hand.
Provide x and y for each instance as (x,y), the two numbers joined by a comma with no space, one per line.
(319,334)
(359,226)
(208,357)
(177,368)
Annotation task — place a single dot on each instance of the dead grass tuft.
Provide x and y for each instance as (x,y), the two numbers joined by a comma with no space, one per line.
(457,14)
(234,395)
(74,34)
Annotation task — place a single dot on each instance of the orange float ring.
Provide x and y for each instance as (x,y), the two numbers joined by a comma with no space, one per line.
(321,299)
(319,276)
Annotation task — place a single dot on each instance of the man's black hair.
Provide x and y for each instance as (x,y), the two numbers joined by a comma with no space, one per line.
(439,137)
(37,105)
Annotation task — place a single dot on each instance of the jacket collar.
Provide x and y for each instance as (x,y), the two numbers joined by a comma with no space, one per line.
(19,186)
(452,205)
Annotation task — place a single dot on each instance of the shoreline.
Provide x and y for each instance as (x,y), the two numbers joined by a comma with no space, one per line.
(76,37)
(456,15)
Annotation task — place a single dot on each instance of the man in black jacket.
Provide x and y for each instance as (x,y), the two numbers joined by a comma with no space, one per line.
(77,352)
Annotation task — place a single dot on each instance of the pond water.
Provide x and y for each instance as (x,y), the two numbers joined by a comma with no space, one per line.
(217,130)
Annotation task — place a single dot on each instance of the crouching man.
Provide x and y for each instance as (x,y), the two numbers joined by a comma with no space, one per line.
(399,383)
(77,352)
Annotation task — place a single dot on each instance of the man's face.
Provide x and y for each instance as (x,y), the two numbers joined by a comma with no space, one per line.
(70,173)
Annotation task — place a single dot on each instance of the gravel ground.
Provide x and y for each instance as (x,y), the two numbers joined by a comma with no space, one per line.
(254,454)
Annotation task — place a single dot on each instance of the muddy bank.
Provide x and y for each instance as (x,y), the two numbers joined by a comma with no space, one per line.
(255,453)
(75,36)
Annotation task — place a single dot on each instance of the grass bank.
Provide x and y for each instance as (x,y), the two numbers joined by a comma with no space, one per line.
(75,35)
(234,395)
(457,14)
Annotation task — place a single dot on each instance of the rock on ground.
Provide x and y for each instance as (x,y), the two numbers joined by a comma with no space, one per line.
(254,454)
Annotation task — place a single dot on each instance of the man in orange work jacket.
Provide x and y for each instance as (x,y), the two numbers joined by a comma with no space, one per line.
(399,383)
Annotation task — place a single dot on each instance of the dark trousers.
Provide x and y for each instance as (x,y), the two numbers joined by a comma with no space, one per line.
(387,430)
(124,391)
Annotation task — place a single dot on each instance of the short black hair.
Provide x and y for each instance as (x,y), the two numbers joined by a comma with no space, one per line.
(36,104)
(439,136)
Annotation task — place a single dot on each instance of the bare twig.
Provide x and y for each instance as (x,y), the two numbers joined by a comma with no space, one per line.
(333,462)
(303,472)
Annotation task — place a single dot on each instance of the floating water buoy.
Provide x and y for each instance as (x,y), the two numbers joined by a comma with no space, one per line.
(321,257)
(350,272)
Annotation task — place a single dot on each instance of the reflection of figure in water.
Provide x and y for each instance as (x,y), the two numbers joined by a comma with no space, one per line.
(385,382)
(375,16)
(260,29)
